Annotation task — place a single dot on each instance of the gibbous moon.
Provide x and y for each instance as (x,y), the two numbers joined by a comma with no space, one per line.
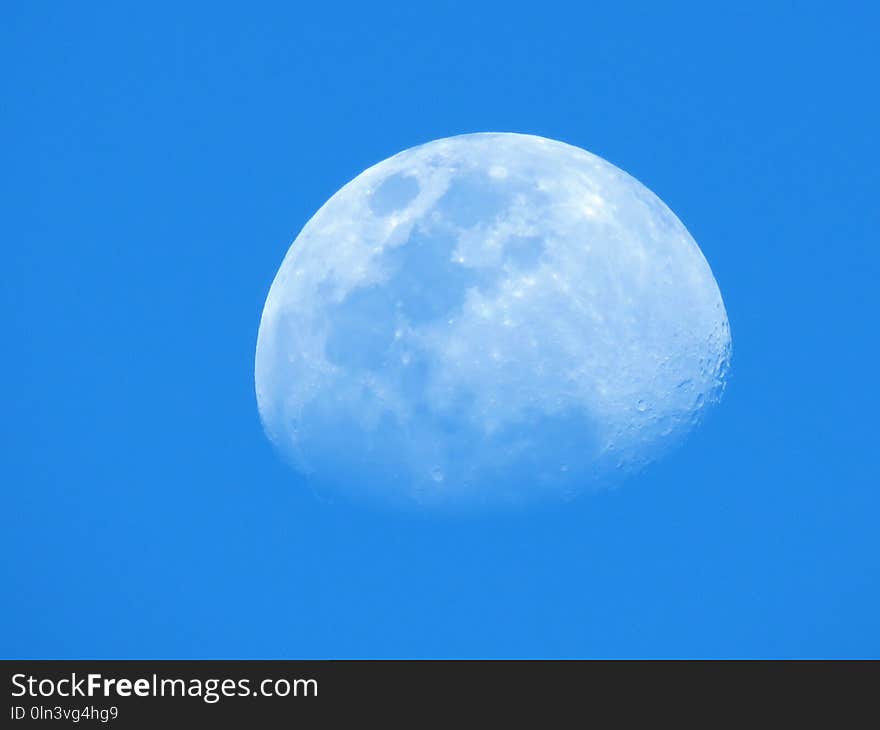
(486,320)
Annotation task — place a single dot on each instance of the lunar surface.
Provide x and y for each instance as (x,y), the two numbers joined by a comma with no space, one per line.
(488,319)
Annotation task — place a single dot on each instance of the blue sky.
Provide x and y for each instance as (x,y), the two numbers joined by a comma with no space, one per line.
(159,160)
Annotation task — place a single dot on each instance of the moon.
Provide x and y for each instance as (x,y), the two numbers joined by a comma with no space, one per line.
(485,320)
